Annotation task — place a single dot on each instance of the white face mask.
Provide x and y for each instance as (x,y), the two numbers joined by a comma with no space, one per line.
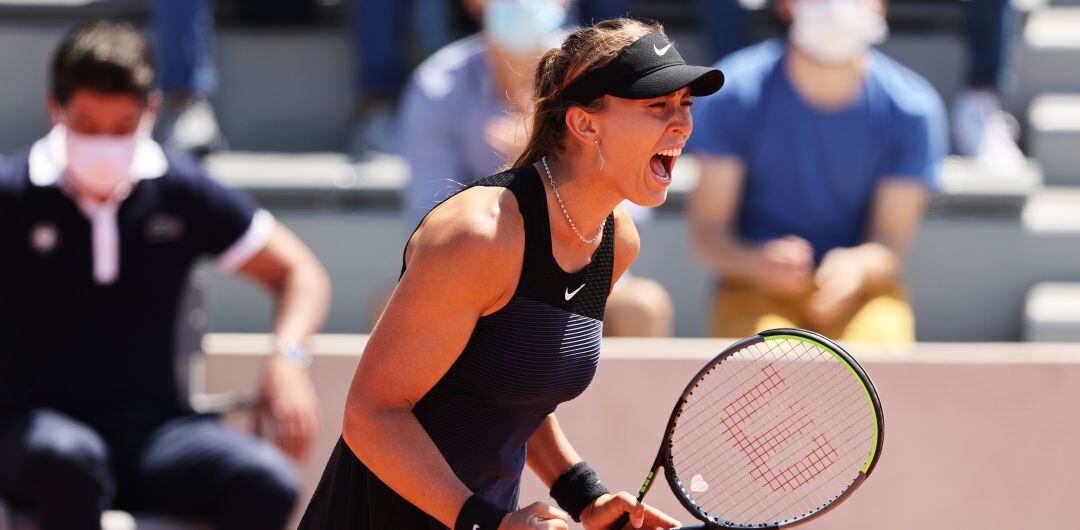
(836,31)
(522,27)
(101,163)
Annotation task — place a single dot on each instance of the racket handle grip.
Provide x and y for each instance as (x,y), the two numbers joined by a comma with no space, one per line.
(621,522)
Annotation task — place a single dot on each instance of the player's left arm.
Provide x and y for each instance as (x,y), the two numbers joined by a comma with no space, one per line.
(550,455)
(301,289)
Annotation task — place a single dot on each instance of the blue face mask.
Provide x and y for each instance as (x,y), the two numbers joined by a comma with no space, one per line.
(522,26)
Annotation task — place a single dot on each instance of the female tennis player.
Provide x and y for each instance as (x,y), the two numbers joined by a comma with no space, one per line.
(497,316)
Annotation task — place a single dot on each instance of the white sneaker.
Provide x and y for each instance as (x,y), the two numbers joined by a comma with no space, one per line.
(986,133)
(373,133)
(193,128)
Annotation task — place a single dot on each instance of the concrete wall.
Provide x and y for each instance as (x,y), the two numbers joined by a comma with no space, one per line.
(977,436)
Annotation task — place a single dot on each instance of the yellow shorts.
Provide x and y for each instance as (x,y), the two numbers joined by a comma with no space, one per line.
(740,311)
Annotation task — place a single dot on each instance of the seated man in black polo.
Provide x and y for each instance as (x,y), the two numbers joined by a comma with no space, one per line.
(99,230)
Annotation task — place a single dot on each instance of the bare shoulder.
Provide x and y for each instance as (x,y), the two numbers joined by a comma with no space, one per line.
(627,240)
(479,226)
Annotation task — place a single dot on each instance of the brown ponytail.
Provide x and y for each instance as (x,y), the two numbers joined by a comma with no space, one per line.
(582,51)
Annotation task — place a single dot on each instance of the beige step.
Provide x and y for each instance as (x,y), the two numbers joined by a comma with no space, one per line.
(1054,136)
(1048,56)
(1052,312)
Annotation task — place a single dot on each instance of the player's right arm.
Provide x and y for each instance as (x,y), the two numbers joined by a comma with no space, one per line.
(781,266)
(463,263)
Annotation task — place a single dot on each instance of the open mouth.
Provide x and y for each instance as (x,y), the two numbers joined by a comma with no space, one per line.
(663,163)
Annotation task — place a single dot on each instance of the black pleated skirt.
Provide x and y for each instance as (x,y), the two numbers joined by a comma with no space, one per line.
(351,497)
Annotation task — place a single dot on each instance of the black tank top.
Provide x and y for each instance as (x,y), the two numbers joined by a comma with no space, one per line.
(522,361)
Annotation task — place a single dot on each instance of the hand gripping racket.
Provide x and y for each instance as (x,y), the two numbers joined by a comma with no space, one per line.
(775,431)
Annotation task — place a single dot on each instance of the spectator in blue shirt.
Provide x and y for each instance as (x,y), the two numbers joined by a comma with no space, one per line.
(99,230)
(816,159)
(981,130)
(464,117)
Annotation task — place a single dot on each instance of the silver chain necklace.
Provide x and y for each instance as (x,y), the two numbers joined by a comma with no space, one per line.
(558,197)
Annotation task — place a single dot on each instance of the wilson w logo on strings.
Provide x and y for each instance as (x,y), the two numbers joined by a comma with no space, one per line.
(761,447)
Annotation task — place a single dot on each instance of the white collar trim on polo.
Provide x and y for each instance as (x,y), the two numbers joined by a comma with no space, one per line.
(48,164)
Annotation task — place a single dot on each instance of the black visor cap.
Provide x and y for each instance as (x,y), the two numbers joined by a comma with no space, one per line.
(651,67)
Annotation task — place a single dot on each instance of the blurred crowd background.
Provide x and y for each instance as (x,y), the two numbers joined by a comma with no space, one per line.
(322,108)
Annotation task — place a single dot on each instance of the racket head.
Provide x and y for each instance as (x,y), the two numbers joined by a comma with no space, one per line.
(746,453)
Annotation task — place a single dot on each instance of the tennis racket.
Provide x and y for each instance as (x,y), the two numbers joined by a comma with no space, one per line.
(775,431)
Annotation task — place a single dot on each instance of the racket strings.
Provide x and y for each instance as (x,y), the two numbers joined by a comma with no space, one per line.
(710,409)
(817,454)
(757,445)
(800,504)
(732,388)
(695,455)
(822,450)
(744,465)
(739,501)
(713,401)
(700,438)
(771,476)
(804,502)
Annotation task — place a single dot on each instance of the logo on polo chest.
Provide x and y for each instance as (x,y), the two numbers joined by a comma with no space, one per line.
(44,238)
(163,228)
(570,294)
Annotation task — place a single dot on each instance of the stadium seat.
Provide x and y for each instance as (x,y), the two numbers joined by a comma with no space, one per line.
(1054,123)
(1046,59)
(1052,312)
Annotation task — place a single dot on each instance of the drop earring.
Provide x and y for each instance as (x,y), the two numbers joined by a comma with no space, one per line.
(599,152)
